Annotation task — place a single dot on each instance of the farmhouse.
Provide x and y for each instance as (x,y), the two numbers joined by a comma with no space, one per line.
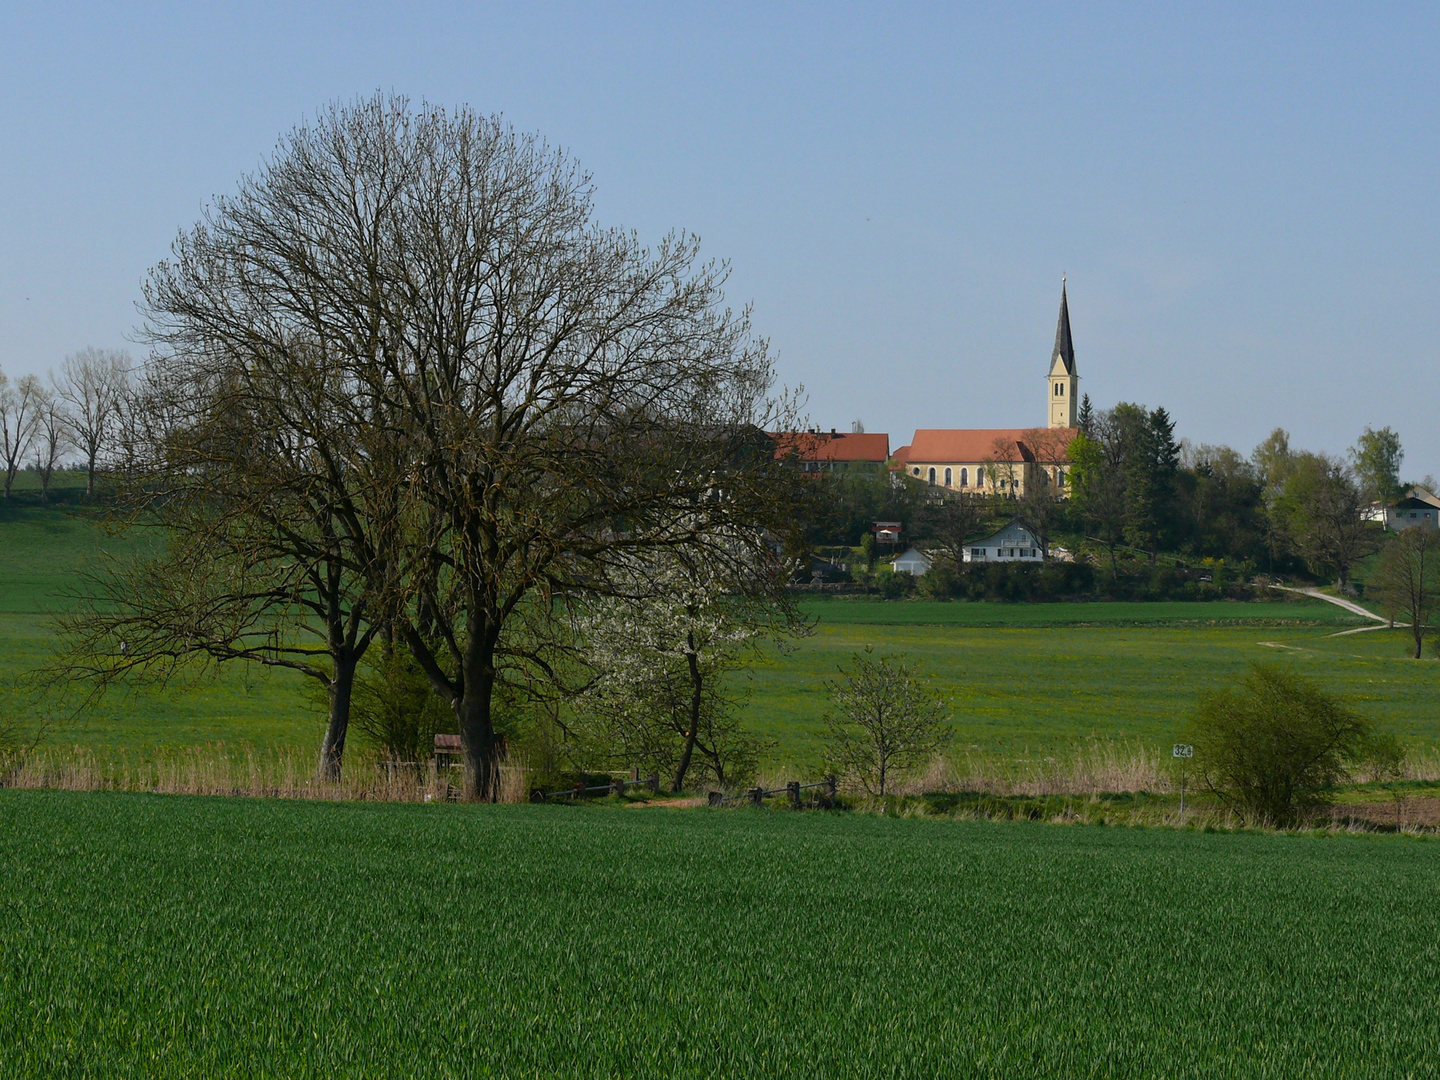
(1005,461)
(1013,543)
(1417,508)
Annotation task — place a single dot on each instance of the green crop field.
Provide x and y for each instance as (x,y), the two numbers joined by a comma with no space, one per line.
(1020,677)
(1024,688)
(154,936)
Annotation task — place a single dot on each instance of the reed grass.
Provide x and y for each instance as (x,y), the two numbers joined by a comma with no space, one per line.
(217,769)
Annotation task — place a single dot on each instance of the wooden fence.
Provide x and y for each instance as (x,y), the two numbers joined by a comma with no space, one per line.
(758,795)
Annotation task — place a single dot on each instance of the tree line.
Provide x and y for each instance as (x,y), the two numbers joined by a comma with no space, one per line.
(78,412)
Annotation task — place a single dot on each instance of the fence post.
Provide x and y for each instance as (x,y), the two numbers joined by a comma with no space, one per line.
(830,786)
(579,792)
(716,798)
(793,787)
(617,787)
(655,782)
(757,796)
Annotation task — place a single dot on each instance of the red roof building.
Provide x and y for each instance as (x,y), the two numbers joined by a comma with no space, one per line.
(819,451)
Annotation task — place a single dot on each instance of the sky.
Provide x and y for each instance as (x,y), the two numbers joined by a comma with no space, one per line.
(1242,197)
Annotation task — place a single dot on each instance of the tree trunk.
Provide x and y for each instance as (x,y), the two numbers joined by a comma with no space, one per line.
(90,477)
(477,728)
(332,749)
(693,731)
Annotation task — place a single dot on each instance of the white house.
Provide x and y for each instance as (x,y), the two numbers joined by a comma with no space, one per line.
(914,562)
(1013,543)
(1417,508)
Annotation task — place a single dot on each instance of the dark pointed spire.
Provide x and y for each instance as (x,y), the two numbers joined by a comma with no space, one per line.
(1064,347)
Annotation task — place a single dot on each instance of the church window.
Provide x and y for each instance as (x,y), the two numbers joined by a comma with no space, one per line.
(1059,477)
(980,476)
(916,470)
(947,477)
(964,477)
(1060,386)
(932,475)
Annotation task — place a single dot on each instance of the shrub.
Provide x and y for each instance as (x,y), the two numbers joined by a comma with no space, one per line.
(1275,746)
(396,709)
(888,722)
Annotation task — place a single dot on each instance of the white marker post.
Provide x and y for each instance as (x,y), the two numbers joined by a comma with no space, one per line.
(1182,751)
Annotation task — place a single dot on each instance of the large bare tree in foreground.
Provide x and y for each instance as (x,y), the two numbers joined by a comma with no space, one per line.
(537,398)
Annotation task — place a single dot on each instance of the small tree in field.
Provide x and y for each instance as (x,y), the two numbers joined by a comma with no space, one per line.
(1273,746)
(888,722)
(1407,581)
(661,654)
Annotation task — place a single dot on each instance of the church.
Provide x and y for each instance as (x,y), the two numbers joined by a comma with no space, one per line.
(1005,461)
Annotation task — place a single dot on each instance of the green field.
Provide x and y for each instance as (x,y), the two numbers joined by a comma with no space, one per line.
(177,937)
(1020,678)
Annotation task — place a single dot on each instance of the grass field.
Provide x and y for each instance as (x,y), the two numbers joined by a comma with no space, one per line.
(1021,678)
(154,936)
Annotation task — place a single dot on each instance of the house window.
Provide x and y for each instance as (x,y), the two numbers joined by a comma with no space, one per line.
(947,477)
(964,477)
(932,476)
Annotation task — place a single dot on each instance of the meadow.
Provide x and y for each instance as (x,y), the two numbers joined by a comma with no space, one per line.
(1023,680)
(168,936)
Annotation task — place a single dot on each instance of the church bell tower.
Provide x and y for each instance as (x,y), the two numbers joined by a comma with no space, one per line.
(1064,383)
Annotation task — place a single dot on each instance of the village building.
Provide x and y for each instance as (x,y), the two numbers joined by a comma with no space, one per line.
(1417,508)
(833,451)
(1006,461)
(1013,543)
(914,562)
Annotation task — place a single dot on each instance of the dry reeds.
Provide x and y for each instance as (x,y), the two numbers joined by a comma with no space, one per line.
(283,773)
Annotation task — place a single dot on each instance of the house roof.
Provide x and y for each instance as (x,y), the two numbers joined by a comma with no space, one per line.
(913,555)
(1013,528)
(979,444)
(833,446)
(1414,498)
(1064,346)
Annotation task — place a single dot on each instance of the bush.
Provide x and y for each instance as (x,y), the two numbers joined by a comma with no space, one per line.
(1274,747)
(396,709)
(894,585)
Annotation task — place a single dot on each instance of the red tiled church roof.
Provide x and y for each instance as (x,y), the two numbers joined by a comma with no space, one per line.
(982,444)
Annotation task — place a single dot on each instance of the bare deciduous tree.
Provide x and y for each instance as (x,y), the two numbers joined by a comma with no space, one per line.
(1407,581)
(958,518)
(51,438)
(887,723)
(271,548)
(19,404)
(543,397)
(92,384)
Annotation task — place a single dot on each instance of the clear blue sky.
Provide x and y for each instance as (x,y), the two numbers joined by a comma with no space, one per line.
(1244,197)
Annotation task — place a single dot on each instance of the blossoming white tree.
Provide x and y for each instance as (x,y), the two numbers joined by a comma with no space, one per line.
(661,658)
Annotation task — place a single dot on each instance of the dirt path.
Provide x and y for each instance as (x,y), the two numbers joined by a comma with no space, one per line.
(1348,605)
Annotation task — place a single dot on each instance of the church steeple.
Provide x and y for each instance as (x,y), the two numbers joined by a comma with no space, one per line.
(1064,383)
(1064,351)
